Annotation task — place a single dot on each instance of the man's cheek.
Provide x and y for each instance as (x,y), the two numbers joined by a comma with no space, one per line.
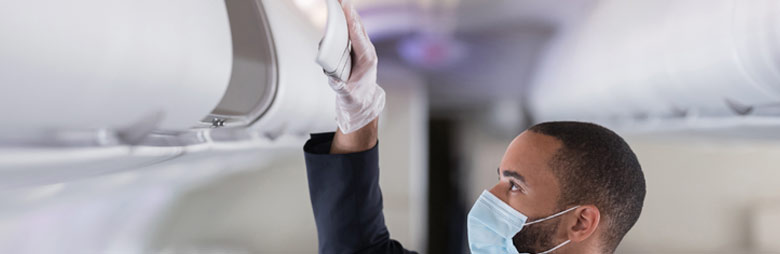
(536,238)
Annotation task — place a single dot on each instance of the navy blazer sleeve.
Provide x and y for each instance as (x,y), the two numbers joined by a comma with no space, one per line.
(347,202)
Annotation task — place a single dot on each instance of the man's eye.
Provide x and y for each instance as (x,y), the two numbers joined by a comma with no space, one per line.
(513,186)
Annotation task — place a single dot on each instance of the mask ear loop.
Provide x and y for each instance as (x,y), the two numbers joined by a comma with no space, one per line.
(556,247)
(551,216)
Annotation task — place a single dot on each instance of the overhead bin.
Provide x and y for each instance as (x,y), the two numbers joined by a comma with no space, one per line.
(117,85)
(663,59)
(92,64)
(165,67)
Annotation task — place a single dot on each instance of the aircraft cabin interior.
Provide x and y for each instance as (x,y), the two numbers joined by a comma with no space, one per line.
(178,126)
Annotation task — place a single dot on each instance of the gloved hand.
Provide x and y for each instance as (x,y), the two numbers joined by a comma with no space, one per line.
(359,100)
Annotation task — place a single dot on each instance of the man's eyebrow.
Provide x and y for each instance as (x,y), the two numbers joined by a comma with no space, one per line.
(513,174)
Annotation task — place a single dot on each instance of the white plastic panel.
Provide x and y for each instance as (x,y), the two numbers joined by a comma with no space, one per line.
(668,58)
(304,102)
(88,64)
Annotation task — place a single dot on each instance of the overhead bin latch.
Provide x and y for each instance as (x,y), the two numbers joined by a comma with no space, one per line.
(217,122)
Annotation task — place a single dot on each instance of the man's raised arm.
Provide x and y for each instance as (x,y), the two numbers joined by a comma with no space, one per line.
(343,167)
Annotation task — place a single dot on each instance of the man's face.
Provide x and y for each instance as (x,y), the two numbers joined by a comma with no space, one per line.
(528,185)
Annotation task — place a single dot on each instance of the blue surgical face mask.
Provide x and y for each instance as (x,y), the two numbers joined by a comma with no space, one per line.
(492,224)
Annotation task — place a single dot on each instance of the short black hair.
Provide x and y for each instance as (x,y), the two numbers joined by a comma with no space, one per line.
(596,166)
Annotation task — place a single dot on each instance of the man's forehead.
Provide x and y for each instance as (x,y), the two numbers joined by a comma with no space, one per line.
(532,145)
(529,154)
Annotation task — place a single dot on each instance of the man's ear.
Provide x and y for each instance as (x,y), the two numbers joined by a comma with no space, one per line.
(587,218)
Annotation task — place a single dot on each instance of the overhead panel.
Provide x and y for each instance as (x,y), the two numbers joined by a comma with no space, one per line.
(633,61)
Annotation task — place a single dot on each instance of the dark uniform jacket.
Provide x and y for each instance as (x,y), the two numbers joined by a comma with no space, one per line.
(346,199)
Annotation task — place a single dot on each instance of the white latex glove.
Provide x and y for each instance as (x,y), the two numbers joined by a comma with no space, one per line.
(360,100)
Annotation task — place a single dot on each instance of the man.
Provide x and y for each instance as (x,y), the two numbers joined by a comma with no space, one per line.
(563,187)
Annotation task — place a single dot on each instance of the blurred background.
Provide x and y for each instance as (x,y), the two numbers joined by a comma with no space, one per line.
(693,86)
